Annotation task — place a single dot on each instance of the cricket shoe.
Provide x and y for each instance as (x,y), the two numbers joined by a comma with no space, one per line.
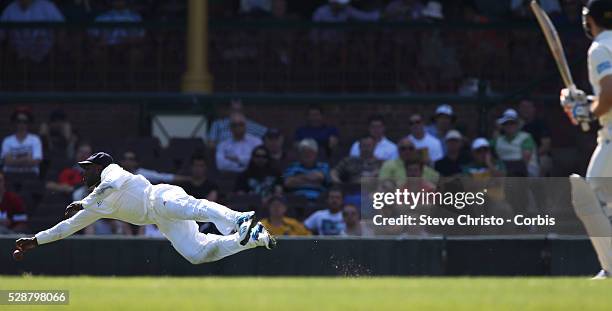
(245,223)
(261,237)
(602,275)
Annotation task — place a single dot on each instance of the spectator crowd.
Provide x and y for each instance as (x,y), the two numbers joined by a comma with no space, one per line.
(309,183)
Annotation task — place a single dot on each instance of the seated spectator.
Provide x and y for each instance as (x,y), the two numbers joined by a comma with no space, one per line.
(71,178)
(443,121)
(220,129)
(328,221)
(131,164)
(280,225)
(452,163)
(339,11)
(260,177)
(13,217)
(234,153)
(352,169)
(353,226)
(199,185)
(540,132)
(483,169)
(414,178)
(274,142)
(422,140)
(57,135)
(516,148)
(384,148)
(22,151)
(395,170)
(404,10)
(483,164)
(120,13)
(31,44)
(326,136)
(307,177)
(433,11)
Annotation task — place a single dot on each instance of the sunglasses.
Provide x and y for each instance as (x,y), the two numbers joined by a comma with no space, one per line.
(414,122)
(237,124)
(402,148)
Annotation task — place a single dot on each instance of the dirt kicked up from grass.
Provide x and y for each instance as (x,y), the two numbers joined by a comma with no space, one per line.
(320,294)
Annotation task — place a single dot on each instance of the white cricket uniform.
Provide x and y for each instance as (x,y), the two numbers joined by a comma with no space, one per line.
(131,198)
(600,65)
(587,204)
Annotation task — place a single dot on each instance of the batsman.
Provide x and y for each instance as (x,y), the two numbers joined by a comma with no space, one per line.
(118,194)
(592,198)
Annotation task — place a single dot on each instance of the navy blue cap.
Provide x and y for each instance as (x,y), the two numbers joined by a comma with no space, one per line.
(101,158)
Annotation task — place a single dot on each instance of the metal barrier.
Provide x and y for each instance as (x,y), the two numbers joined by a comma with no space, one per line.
(314,256)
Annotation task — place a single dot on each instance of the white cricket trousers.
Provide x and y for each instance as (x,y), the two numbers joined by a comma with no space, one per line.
(599,177)
(177,213)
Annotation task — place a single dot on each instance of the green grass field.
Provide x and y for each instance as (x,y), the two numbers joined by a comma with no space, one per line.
(293,294)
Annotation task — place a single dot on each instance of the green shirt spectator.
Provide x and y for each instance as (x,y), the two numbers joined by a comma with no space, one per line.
(396,169)
(516,148)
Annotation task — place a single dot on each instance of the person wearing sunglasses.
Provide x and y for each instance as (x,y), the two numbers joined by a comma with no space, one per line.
(396,169)
(234,153)
(22,152)
(261,177)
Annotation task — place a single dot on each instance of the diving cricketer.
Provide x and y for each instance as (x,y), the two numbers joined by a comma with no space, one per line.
(118,194)
(588,195)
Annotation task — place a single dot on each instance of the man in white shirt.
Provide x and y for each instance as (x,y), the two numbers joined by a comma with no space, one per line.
(384,149)
(22,151)
(234,153)
(220,129)
(328,221)
(423,140)
(118,194)
(32,44)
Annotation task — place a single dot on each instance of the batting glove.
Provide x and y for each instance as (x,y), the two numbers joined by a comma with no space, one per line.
(577,106)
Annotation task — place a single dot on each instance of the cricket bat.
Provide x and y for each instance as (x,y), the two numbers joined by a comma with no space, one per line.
(554,43)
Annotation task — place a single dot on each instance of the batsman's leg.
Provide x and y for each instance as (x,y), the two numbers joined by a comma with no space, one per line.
(587,198)
(589,210)
(197,247)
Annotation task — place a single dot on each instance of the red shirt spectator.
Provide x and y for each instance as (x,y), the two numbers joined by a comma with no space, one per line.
(70,176)
(12,210)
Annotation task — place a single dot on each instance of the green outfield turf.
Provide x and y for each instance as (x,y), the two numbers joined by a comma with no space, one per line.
(292,294)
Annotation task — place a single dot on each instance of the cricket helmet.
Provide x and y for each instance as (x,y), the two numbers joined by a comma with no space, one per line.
(600,11)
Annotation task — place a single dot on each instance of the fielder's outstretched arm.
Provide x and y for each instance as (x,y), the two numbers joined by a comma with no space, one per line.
(67,227)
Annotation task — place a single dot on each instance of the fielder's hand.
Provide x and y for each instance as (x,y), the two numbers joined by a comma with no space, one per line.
(577,106)
(25,244)
(72,209)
